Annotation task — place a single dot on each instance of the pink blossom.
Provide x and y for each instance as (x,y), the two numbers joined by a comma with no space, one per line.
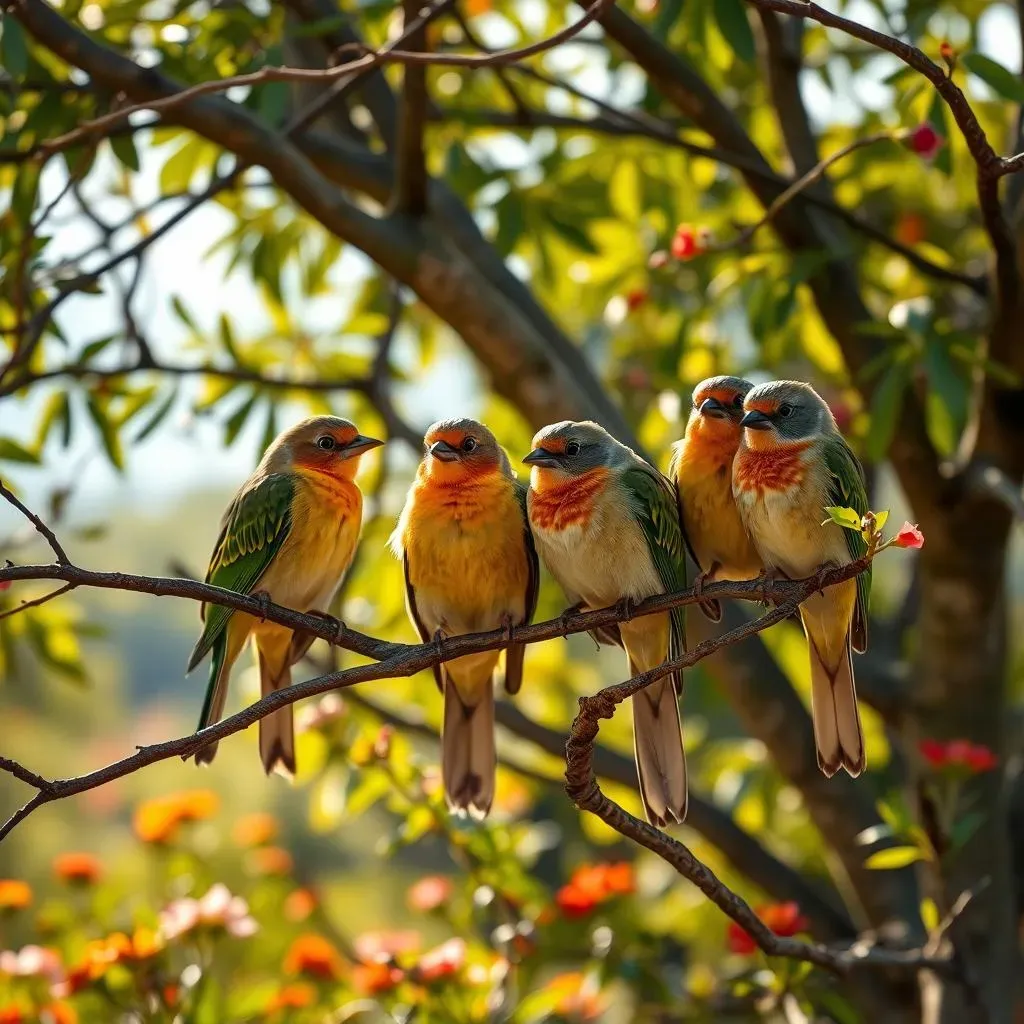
(217,909)
(32,962)
(909,537)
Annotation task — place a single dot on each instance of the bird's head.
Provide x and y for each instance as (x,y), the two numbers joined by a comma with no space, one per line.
(567,450)
(323,444)
(717,406)
(782,413)
(459,450)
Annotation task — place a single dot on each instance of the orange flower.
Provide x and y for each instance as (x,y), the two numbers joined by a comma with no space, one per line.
(313,955)
(911,228)
(783,919)
(574,902)
(270,860)
(145,944)
(157,820)
(292,997)
(255,829)
(429,893)
(442,962)
(78,868)
(592,884)
(170,995)
(298,905)
(375,978)
(14,894)
(11,1015)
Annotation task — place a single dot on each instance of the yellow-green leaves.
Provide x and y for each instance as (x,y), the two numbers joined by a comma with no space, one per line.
(848,518)
(893,857)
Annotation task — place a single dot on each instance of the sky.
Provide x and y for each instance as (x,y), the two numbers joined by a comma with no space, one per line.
(187,452)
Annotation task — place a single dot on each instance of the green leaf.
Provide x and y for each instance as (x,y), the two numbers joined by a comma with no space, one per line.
(184,316)
(995,76)
(236,421)
(894,857)
(946,401)
(731,19)
(511,222)
(572,233)
(886,404)
(176,173)
(125,151)
(845,517)
(94,348)
(962,831)
(11,451)
(56,413)
(13,48)
(108,433)
(157,418)
(937,116)
(881,518)
(227,338)
(270,429)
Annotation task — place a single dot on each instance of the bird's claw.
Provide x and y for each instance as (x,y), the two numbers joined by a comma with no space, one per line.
(767,578)
(338,627)
(506,627)
(823,570)
(264,601)
(625,608)
(573,609)
(439,639)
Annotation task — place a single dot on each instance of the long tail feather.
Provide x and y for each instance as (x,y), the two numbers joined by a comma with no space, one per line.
(468,756)
(660,759)
(216,696)
(837,729)
(277,730)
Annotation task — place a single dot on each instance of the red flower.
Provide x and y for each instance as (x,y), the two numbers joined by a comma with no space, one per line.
(784,919)
(592,884)
(925,141)
(6,585)
(636,298)
(314,956)
(574,902)
(80,868)
(372,979)
(442,962)
(429,893)
(958,754)
(685,243)
(946,51)
(11,1015)
(909,537)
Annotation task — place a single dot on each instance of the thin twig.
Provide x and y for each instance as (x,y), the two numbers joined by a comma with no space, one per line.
(37,601)
(48,535)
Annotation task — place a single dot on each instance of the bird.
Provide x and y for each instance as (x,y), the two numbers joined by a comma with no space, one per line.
(288,536)
(793,462)
(607,527)
(470,565)
(701,468)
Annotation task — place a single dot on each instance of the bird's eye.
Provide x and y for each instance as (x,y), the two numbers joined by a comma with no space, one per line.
(785,410)
(326,442)
(469,444)
(572,448)
(738,402)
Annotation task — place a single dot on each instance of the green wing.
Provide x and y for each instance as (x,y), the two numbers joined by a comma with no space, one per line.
(653,502)
(254,527)
(848,491)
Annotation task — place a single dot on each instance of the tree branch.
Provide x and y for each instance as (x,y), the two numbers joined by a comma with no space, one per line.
(410,191)
(395,659)
(47,534)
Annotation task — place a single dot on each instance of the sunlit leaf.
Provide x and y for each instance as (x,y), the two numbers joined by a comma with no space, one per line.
(893,857)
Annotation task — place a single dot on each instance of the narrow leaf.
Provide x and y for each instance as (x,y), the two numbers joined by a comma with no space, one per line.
(894,857)
(11,451)
(995,76)
(731,18)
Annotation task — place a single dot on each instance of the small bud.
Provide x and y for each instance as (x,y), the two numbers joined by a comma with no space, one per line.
(926,141)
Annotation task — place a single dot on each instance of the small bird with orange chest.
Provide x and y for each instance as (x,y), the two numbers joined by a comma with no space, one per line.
(791,465)
(289,535)
(470,566)
(701,469)
(607,526)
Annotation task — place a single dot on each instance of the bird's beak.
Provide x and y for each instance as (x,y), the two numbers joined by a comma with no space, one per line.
(359,444)
(541,457)
(756,420)
(444,451)
(713,409)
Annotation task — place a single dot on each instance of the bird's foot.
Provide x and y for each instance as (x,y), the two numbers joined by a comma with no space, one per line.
(263,597)
(573,609)
(439,638)
(823,570)
(507,622)
(338,627)
(705,577)
(625,608)
(767,578)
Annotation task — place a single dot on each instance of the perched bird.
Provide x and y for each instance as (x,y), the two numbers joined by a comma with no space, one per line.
(701,469)
(607,526)
(288,535)
(470,566)
(791,463)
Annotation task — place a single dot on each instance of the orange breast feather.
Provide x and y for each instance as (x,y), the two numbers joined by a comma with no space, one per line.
(779,468)
(559,505)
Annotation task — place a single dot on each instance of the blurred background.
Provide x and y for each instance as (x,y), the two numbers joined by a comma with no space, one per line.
(165,314)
